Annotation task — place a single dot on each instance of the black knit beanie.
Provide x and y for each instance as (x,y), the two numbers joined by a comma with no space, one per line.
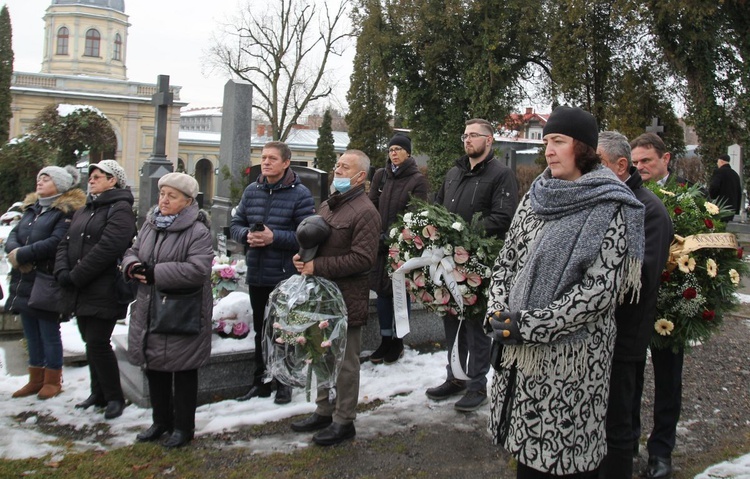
(575,123)
(401,140)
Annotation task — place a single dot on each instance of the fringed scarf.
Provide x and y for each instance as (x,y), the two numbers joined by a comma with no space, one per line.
(576,216)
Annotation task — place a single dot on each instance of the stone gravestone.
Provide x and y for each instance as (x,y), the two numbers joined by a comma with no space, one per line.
(234,149)
(316,181)
(157,165)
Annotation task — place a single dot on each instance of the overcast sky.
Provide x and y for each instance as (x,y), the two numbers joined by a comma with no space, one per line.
(167,37)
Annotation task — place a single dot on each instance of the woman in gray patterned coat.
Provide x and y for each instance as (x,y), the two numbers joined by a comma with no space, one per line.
(574,248)
(173,252)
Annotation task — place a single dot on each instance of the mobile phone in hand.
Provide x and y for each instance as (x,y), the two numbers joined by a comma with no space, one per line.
(258,227)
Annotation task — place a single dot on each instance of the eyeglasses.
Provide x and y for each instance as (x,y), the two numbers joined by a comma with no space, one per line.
(473,136)
(395,149)
(97,177)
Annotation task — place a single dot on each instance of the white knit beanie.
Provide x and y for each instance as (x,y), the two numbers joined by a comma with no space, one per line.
(63,178)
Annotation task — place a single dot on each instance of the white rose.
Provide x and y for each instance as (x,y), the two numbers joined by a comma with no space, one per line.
(407,218)
(425,213)
(400,238)
(457,226)
(394,232)
(407,256)
(463,289)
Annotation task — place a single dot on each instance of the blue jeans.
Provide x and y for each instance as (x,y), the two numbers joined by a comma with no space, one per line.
(386,315)
(43,342)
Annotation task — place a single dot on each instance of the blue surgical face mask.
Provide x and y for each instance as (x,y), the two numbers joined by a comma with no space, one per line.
(342,185)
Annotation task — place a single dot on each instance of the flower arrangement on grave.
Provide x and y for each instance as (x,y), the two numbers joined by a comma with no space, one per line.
(305,332)
(444,260)
(232,317)
(226,275)
(703,271)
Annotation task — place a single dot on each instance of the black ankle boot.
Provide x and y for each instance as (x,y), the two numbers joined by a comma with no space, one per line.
(379,354)
(395,351)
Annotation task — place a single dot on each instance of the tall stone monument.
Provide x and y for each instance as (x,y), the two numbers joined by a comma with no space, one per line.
(234,149)
(157,165)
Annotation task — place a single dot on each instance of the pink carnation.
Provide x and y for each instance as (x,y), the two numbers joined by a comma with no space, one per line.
(301,340)
(280,340)
(326,344)
(323,324)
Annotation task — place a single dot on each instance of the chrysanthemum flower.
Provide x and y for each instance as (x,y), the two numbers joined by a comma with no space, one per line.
(664,327)
(711,208)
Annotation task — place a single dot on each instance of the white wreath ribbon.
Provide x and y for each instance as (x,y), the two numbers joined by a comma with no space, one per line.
(441,268)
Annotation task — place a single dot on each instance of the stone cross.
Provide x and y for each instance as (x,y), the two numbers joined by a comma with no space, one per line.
(157,165)
(162,99)
(655,127)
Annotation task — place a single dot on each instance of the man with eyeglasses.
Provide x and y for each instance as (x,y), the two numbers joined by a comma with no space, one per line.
(477,183)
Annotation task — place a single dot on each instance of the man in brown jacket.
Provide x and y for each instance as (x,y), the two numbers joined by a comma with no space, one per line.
(346,258)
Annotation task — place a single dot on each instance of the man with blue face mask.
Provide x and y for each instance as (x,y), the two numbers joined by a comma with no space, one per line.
(345,257)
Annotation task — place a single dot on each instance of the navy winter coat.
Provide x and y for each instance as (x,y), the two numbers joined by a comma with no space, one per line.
(36,236)
(280,207)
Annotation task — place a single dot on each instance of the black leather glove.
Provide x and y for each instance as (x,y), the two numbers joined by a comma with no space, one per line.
(148,272)
(63,277)
(503,328)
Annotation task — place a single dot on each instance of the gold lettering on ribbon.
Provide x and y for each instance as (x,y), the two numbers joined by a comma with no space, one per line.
(682,246)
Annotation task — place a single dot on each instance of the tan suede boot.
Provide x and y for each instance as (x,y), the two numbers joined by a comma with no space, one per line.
(52,384)
(36,381)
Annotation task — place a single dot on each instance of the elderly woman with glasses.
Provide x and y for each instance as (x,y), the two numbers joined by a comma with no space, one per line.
(391,190)
(86,265)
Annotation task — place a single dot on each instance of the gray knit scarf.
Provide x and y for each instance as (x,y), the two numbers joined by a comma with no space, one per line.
(576,216)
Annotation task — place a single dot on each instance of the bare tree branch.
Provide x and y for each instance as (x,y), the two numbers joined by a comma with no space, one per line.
(282,49)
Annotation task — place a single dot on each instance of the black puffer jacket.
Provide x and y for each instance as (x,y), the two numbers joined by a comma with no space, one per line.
(36,236)
(98,236)
(490,188)
(397,190)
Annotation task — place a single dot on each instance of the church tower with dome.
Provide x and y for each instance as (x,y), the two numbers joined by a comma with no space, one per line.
(84,63)
(86,37)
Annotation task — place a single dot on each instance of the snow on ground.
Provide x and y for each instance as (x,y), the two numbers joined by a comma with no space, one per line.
(400,386)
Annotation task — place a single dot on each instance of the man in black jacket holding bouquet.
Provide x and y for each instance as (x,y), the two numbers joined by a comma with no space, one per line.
(478,183)
(635,318)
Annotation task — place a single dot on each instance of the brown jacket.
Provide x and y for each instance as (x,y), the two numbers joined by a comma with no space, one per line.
(348,255)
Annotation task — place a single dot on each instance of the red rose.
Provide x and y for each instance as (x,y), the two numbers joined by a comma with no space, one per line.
(709,224)
(665,277)
(689,293)
(247,171)
(678,210)
(740,252)
(709,315)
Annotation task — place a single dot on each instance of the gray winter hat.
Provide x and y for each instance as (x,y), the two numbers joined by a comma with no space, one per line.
(182,182)
(111,167)
(63,178)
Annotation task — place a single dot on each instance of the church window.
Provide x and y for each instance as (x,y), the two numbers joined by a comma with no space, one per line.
(62,41)
(92,43)
(117,52)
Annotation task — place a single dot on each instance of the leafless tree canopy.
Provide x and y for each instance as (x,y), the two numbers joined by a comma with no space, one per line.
(282,48)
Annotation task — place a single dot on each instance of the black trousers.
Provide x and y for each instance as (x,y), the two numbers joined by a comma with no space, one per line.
(667,400)
(174,397)
(103,369)
(258,301)
(621,440)
(525,472)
